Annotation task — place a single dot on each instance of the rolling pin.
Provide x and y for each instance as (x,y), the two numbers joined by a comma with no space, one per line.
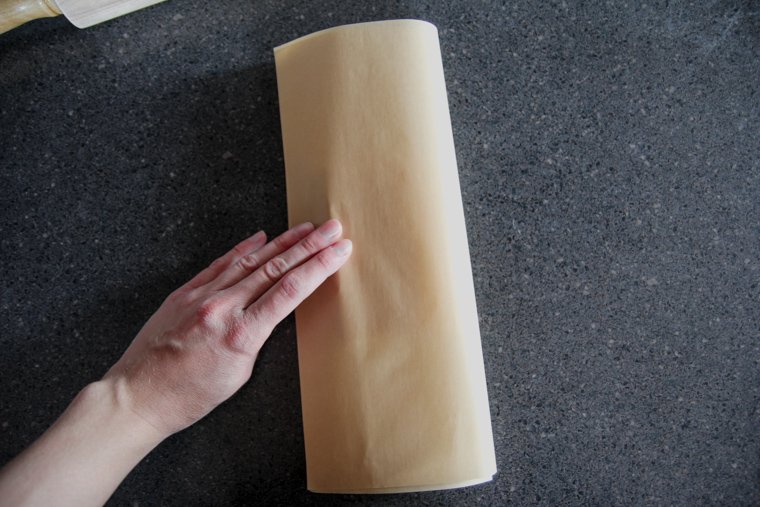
(82,13)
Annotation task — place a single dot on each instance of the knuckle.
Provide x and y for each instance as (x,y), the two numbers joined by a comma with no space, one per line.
(325,259)
(291,286)
(237,339)
(176,297)
(281,242)
(275,268)
(241,248)
(181,297)
(219,262)
(249,262)
(209,313)
(311,244)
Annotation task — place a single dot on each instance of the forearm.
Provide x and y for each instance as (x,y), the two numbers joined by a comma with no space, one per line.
(84,456)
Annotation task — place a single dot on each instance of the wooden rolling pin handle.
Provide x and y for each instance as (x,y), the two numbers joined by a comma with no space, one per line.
(17,12)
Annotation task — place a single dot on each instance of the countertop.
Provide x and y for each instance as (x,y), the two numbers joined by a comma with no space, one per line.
(609,160)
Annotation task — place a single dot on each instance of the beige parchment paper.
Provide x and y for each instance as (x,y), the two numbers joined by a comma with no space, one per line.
(392,382)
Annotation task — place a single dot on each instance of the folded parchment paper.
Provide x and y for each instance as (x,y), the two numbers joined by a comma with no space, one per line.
(392,382)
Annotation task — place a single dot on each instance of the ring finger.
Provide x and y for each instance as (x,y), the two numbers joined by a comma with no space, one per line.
(243,266)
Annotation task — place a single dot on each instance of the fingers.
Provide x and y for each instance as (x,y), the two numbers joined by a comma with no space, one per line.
(215,268)
(250,288)
(244,264)
(297,285)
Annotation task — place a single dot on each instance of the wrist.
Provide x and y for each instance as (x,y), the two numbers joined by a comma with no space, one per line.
(108,406)
(84,455)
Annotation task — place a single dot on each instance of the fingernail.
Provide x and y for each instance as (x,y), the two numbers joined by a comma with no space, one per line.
(343,247)
(330,228)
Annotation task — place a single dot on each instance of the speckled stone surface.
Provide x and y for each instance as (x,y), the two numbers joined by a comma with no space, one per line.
(610,165)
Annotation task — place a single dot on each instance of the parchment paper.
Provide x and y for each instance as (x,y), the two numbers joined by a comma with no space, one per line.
(392,382)
(85,13)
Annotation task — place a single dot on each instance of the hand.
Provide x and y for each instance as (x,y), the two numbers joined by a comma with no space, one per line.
(200,346)
(191,355)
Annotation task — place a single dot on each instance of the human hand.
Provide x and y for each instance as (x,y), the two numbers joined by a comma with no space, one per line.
(200,346)
(191,355)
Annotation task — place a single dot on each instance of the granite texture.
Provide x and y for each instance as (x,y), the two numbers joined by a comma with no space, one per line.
(610,166)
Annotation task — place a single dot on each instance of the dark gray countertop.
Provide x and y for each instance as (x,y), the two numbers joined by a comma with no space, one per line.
(610,165)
